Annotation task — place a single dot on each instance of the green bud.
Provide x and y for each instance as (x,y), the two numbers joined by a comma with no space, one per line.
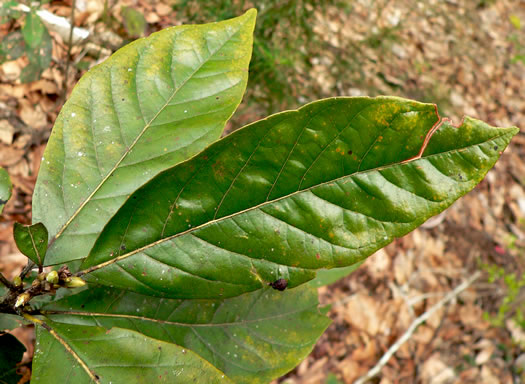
(22,299)
(75,282)
(17,281)
(52,277)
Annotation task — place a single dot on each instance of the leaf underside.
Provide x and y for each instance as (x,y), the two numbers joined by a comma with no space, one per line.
(152,104)
(8,322)
(252,338)
(67,353)
(321,187)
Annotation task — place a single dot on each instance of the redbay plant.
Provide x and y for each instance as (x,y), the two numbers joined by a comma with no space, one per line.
(160,253)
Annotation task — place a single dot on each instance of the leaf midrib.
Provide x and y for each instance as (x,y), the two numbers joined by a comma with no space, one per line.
(180,324)
(129,149)
(268,202)
(69,349)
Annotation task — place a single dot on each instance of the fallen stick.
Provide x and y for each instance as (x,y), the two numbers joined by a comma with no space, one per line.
(58,24)
(416,323)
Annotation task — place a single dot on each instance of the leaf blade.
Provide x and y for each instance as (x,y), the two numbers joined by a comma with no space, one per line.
(11,352)
(154,103)
(118,355)
(252,338)
(302,213)
(33,30)
(31,240)
(330,276)
(6,188)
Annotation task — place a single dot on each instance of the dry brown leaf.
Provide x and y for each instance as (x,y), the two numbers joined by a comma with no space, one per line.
(9,155)
(488,377)
(152,17)
(44,86)
(10,70)
(6,132)
(163,10)
(350,370)
(32,115)
(471,316)
(485,355)
(435,371)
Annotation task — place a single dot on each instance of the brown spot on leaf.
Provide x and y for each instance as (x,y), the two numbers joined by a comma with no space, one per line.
(279,284)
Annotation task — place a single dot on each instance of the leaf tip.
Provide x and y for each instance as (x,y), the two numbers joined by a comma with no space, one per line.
(249,18)
(251,13)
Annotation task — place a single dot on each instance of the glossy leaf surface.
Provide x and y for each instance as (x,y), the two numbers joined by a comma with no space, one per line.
(31,240)
(152,104)
(78,354)
(6,188)
(252,338)
(321,187)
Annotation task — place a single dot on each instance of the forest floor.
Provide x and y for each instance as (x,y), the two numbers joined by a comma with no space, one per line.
(462,55)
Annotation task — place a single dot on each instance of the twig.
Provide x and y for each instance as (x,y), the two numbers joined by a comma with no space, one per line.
(416,323)
(69,46)
(416,299)
(397,290)
(7,283)
(30,265)
(428,349)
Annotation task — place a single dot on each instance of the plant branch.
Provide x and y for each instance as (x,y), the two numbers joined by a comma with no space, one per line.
(7,283)
(416,323)
(26,269)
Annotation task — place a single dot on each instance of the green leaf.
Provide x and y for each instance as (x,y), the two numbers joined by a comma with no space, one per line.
(12,46)
(11,352)
(39,59)
(67,353)
(31,72)
(9,4)
(154,103)
(6,188)
(332,379)
(329,276)
(44,51)
(252,338)
(134,22)
(31,240)
(515,21)
(8,322)
(33,30)
(321,187)
(8,11)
